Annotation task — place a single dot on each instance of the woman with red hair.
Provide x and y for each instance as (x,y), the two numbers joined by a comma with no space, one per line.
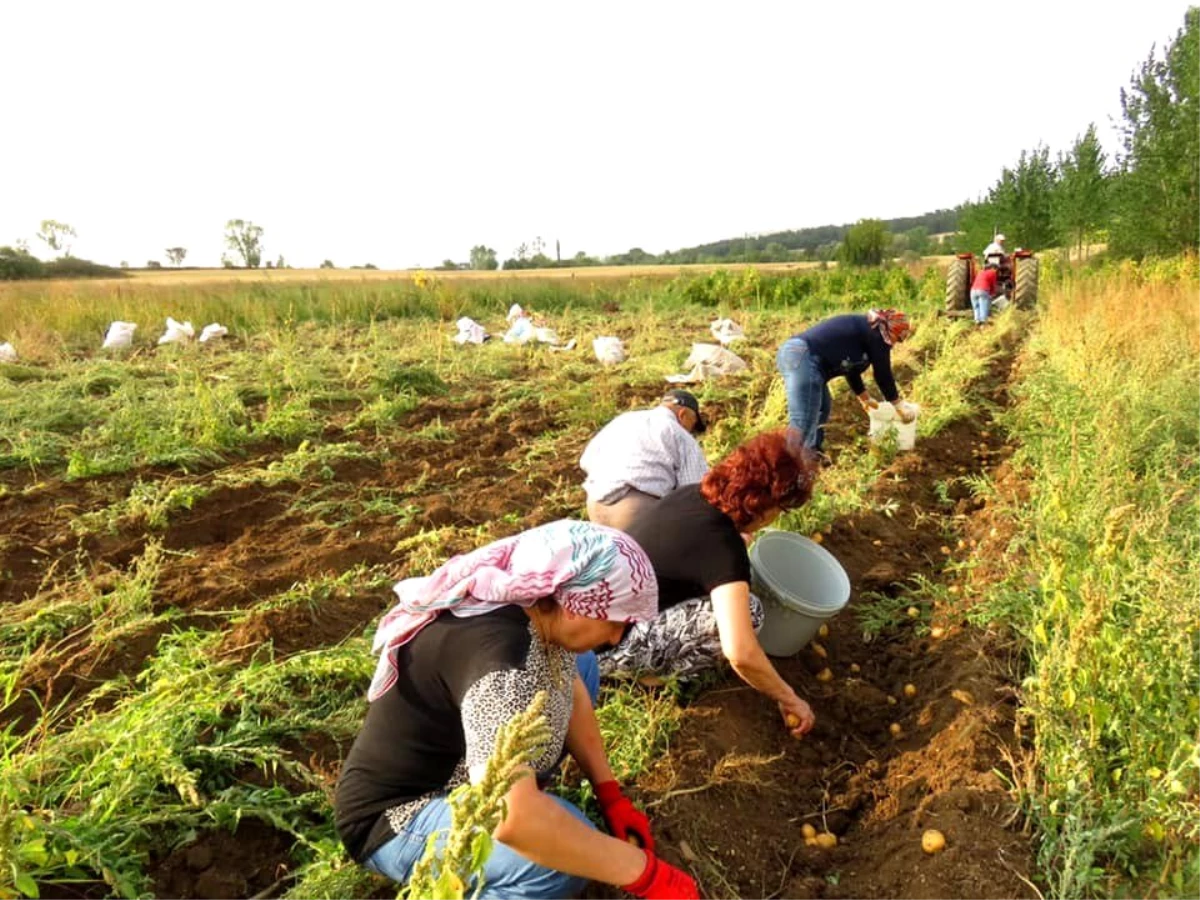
(695,538)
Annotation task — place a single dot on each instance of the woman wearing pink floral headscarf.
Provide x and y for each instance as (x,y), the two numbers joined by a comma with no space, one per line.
(463,651)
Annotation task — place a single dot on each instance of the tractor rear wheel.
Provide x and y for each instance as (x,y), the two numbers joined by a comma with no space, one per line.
(956,285)
(1026,291)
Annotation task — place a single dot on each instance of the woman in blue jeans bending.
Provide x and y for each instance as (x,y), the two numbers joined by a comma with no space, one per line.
(463,651)
(842,345)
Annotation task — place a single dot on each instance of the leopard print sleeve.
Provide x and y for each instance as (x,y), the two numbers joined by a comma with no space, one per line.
(499,695)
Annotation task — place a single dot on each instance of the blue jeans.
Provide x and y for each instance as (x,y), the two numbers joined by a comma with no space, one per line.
(808,396)
(981,302)
(506,872)
(589,671)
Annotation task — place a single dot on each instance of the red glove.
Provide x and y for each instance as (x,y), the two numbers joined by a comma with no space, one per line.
(623,818)
(662,881)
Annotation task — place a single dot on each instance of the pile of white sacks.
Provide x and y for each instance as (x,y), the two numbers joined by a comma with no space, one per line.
(521,330)
(706,360)
(120,334)
(120,337)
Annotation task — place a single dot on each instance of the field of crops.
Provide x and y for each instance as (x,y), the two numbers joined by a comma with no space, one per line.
(196,541)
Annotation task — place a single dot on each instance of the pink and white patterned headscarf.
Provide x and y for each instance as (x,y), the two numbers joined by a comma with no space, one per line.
(590,569)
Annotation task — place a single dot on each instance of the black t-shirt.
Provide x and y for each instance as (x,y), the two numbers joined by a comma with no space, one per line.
(693,546)
(460,680)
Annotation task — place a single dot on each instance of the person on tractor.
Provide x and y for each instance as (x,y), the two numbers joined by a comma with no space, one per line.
(994,252)
(983,291)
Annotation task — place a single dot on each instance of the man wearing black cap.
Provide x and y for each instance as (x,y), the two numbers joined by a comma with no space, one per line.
(642,455)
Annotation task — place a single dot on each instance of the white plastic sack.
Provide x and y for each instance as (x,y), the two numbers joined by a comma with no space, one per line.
(884,419)
(726,331)
(609,350)
(708,361)
(569,345)
(522,332)
(177,332)
(211,332)
(999,303)
(469,332)
(514,312)
(120,335)
(545,335)
(8,353)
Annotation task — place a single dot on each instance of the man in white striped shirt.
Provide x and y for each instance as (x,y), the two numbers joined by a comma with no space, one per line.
(640,456)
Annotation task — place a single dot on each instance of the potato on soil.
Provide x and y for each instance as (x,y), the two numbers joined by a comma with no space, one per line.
(825,675)
(808,830)
(826,841)
(910,690)
(933,841)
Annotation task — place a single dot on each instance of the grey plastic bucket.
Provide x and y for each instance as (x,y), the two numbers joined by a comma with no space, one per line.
(800,584)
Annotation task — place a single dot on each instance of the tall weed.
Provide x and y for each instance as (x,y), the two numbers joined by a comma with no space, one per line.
(1107,412)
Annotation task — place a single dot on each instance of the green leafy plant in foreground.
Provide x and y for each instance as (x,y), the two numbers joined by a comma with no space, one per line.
(452,860)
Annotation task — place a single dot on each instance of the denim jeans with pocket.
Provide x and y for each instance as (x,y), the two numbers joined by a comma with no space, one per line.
(505,874)
(808,397)
(981,303)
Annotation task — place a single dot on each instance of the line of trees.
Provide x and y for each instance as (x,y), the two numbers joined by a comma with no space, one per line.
(1146,203)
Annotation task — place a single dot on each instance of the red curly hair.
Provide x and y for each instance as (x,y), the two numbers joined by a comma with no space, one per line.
(767,472)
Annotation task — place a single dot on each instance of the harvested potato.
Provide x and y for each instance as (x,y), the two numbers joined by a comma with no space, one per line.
(895,729)
(910,690)
(912,612)
(823,631)
(808,830)
(937,632)
(792,720)
(819,650)
(891,700)
(933,841)
(826,841)
(825,674)
(855,668)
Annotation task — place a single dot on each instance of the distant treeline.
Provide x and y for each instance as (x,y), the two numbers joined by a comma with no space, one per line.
(910,235)
(17,263)
(808,241)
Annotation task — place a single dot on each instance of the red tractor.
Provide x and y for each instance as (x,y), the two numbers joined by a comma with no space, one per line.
(1016,277)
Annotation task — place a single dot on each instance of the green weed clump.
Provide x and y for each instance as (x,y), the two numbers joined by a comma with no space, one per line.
(1107,414)
(450,862)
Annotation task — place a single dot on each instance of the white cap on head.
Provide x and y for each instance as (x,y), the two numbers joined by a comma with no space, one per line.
(999,239)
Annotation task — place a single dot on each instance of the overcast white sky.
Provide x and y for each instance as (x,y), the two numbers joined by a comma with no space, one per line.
(404,133)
